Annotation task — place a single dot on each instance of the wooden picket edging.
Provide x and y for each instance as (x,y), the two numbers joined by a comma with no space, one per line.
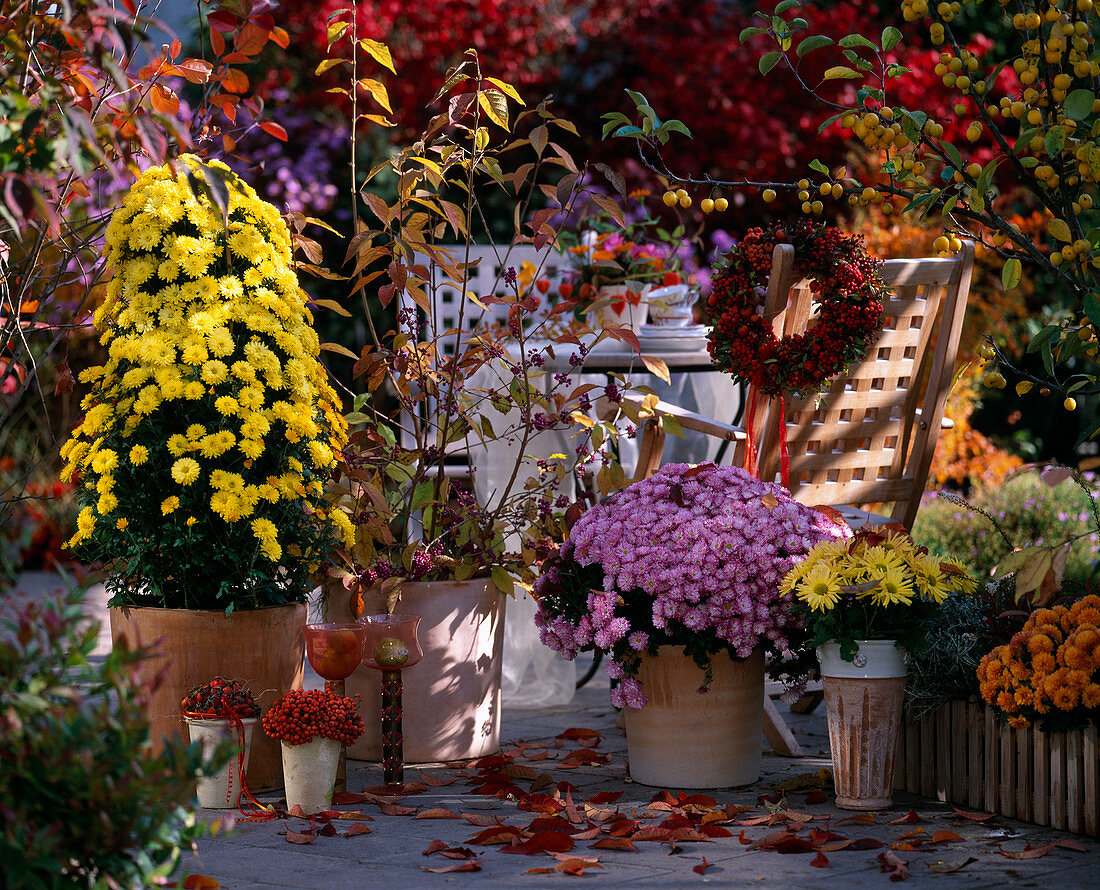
(963,754)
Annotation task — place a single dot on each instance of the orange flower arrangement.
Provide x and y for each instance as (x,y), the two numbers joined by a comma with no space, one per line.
(1050,669)
(300,716)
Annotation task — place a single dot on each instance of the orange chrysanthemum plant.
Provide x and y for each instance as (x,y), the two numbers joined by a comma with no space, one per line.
(1050,670)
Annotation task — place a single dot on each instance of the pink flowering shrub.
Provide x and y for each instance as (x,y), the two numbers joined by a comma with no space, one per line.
(692,556)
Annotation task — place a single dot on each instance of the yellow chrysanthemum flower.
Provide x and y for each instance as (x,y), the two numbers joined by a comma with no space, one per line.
(178,445)
(819,588)
(185,470)
(169,505)
(893,588)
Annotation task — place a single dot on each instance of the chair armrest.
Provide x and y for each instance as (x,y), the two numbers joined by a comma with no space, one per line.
(690,420)
(946,423)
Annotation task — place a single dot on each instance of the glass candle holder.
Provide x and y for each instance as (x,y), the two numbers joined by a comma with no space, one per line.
(334,651)
(391,647)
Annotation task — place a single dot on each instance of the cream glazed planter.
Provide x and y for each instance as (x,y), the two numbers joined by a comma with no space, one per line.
(684,738)
(863,698)
(223,789)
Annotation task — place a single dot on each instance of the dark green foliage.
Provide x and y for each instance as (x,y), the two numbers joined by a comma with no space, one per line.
(83,802)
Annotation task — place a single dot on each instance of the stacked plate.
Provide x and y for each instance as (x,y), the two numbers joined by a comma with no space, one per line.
(662,338)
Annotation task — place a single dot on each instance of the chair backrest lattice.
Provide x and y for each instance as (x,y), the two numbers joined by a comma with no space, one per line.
(451,311)
(870,437)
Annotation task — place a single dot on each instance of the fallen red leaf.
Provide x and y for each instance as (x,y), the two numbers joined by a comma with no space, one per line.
(588,835)
(396,809)
(396,790)
(518,771)
(741,837)
(603,797)
(471,865)
(716,831)
(436,813)
(297,810)
(698,800)
(584,755)
(615,843)
(893,865)
(834,846)
(816,797)
(300,837)
(1030,852)
(498,834)
(346,797)
(458,853)
(793,845)
(434,847)
(973,817)
(820,836)
(911,816)
(482,819)
(199,882)
(650,833)
(545,842)
(865,843)
(702,867)
(357,828)
(436,781)
(1068,843)
(820,861)
(327,830)
(573,865)
(622,827)
(858,818)
(539,803)
(945,837)
(575,734)
(550,823)
(916,832)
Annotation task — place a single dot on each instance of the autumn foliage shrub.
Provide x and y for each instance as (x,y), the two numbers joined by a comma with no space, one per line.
(83,801)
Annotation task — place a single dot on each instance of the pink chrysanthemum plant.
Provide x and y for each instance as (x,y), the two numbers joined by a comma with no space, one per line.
(691,557)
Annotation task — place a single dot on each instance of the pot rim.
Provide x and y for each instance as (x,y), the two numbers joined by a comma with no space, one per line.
(874,659)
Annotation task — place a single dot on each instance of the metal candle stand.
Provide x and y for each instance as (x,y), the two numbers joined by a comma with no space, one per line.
(391,647)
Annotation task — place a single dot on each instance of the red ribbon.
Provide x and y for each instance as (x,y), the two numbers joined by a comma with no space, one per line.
(784,455)
(256,811)
(750,437)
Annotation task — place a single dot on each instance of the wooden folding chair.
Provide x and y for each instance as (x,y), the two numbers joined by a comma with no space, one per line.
(871,436)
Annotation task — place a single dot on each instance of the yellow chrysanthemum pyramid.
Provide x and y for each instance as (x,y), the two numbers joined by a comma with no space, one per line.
(211,429)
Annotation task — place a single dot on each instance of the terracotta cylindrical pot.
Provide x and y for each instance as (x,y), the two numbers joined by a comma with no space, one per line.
(223,789)
(451,700)
(263,648)
(309,772)
(684,738)
(863,699)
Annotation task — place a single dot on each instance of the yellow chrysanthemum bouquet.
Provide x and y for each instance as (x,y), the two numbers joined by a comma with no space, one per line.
(876,585)
(210,431)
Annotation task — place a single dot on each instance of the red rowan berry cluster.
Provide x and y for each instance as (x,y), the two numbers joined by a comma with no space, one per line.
(845,283)
(299,716)
(220,698)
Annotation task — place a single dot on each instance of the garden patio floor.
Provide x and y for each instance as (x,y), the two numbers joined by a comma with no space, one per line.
(393,853)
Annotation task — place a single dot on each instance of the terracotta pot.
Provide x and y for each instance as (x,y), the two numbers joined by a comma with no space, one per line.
(451,700)
(684,738)
(863,699)
(223,789)
(263,648)
(310,772)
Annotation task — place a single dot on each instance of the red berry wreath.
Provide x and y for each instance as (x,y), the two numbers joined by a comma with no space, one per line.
(845,283)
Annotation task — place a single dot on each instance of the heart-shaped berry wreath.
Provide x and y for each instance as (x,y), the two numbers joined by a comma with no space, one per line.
(845,283)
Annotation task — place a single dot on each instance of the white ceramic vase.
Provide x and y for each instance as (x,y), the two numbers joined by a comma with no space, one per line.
(223,789)
(309,774)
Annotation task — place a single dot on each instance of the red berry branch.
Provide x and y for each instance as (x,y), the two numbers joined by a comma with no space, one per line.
(300,716)
(220,698)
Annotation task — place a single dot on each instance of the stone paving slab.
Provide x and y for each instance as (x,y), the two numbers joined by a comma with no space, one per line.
(257,854)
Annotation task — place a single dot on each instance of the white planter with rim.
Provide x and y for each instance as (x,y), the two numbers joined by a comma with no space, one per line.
(223,789)
(309,774)
(863,698)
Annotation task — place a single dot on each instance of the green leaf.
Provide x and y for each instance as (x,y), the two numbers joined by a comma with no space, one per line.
(631,130)
(815,164)
(1010,273)
(953,154)
(1078,104)
(817,41)
(1054,141)
(1092,309)
(839,72)
(674,126)
(423,494)
(503,581)
(857,40)
(890,38)
(833,119)
(746,33)
(1042,337)
(769,61)
(784,5)
(1060,230)
(1048,359)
